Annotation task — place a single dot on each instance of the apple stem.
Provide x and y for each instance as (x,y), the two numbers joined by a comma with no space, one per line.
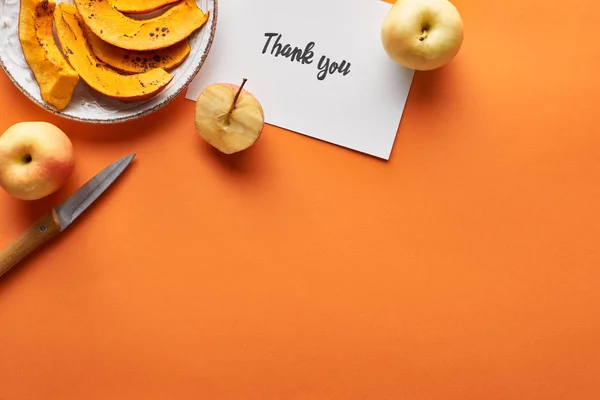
(237,96)
(423,35)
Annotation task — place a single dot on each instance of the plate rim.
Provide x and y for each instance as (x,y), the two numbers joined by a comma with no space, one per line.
(140,114)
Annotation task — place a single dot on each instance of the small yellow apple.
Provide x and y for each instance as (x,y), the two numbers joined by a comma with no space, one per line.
(228,117)
(35,160)
(422,34)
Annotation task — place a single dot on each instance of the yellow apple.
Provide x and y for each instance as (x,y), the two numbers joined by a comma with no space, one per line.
(422,34)
(228,117)
(35,160)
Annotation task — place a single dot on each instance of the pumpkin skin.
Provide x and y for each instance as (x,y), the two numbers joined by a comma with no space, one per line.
(55,77)
(98,75)
(175,25)
(133,62)
(140,6)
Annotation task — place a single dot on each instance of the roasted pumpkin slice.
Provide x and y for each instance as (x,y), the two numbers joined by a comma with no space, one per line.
(140,6)
(129,61)
(175,25)
(55,77)
(97,74)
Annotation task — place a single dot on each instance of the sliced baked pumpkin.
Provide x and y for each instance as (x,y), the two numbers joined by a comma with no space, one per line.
(129,61)
(173,26)
(140,6)
(55,77)
(98,75)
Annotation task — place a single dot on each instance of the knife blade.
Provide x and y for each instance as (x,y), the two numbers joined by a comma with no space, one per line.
(62,216)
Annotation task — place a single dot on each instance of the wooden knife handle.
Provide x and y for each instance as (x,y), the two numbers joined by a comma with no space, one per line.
(37,234)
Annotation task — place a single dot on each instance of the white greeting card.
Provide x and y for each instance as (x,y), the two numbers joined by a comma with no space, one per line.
(317,67)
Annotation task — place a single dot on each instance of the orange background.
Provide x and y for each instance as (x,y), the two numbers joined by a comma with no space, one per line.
(466,267)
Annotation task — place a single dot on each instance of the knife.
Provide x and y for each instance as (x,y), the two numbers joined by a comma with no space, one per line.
(61,217)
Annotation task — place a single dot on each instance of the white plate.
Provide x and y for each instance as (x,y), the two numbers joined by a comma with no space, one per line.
(87,105)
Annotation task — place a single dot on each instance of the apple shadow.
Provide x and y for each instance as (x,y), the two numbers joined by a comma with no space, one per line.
(33,210)
(25,213)
(121,180)
(428,84)
(249,162)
